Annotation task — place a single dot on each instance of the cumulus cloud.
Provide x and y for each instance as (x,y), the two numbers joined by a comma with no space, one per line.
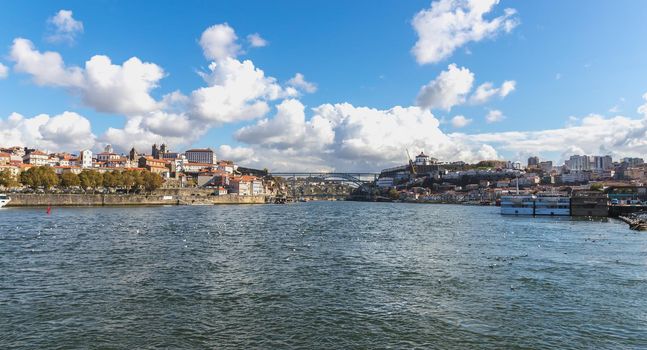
(141,132)
(594,134)
(460,121)
(63,27)
(4,71)
(347,137)
(449,89)
(46,69)
(219,41)
(236,154)
(299,82)
(494,116)
(63,132)
(450,24)
(102,85)
(255,40)
(288,128)
(643,109)
(237,91)
(486,91)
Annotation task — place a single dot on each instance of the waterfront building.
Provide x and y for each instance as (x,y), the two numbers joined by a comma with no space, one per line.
(5,158)
(36,158)
(85,158)
(589,203)
(153,165)
(201,155)
(239,186)
(256,186)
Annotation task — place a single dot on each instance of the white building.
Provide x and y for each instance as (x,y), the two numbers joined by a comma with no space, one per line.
(384,182)
(85,159)
(201,155)
(36,158)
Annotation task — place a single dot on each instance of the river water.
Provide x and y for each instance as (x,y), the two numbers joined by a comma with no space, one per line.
(318,276)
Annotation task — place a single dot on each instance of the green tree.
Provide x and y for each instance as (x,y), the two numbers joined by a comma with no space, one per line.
(598,186)
(394,194)
(7,179)
(42,176)
(70,180)
(128,179)
(90,179)
(152,181)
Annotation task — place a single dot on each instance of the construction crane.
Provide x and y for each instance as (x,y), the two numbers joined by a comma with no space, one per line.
(412,168)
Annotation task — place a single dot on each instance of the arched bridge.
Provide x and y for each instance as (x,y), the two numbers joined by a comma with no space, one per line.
(355,178)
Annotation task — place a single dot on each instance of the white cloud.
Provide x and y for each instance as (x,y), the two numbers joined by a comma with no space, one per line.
(299,82)
(236,154)
(494,116)
(450,24)
(219,41)
(4,71)
(63,132)
(643,109)
(288,128)
(123,89)
(63,27)
(486,91)
(140,132)
(237,91)
(45,68)
(460,121)
(255,40)
(351,138)
(593,134)
(448,89)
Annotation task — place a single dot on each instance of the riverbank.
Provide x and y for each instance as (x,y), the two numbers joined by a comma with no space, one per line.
(157,198)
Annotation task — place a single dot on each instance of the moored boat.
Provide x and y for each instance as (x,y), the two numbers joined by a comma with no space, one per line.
(518,205)
(4,200)
(554,204)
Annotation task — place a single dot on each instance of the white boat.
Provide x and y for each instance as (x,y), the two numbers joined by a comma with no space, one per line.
(552,204)
(4,200)
(518,205)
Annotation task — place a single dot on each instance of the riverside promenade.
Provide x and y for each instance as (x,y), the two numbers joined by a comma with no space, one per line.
(159,197)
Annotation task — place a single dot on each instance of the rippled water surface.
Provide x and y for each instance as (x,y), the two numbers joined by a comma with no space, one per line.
(318,275)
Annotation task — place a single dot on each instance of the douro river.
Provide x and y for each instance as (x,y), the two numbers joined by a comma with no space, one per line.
(330,275)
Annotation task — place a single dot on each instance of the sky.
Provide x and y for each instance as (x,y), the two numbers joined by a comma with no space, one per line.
(350,86)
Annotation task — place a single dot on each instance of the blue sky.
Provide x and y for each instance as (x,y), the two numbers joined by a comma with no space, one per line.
(567,58)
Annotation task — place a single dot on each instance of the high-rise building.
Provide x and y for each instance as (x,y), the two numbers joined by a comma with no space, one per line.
(578,163)
(600,163)
(533,162)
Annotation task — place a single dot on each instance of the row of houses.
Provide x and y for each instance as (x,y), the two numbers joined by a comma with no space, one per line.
(193,167)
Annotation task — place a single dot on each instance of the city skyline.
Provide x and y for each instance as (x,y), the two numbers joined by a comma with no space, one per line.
(460,80)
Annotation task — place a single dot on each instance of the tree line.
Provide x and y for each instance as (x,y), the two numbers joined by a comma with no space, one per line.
(46,178)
